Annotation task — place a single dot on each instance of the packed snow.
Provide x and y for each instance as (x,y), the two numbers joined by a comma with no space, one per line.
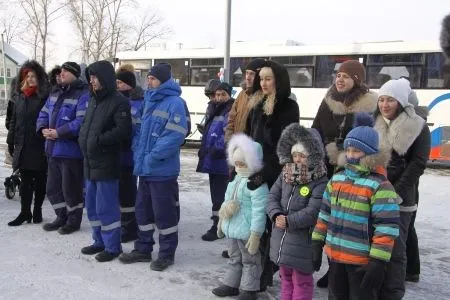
(35,264)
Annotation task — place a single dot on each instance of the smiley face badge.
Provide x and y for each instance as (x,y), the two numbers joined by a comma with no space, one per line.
(305,191)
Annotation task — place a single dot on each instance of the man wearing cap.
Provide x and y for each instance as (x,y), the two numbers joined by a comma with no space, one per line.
(157,163)
(237,118)
(59,123)
(126,85)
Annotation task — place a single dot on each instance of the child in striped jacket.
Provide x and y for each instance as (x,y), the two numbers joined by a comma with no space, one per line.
(358,219)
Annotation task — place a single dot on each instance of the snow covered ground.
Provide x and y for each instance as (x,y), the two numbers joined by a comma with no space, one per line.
(35,264)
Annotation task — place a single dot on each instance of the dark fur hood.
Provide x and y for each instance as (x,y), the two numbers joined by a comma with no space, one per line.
(309,138)
(42,78)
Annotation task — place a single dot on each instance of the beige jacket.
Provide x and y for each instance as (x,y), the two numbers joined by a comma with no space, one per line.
(237,117)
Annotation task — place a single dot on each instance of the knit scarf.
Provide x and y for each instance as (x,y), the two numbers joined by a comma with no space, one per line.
(29,91)
(299,174)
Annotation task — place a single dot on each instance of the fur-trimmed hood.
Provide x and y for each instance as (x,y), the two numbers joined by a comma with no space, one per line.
(365,103)
(252,152)
(401,133)
(283,88)
(309,138)
(42,78)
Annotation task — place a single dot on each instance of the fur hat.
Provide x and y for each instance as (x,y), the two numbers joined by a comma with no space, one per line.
(363,136)
(161,71)
(308,138)
(399,89)
(255,65)
(72,67)
(355,70)
(250,150)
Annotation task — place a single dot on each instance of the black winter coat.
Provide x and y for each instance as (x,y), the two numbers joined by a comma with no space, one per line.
(334,120)
(266,128)
(106,126)
(29,147)
(409,141)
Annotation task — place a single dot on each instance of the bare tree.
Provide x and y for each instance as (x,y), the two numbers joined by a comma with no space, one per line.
(146,28)
(13,27)
(41,13)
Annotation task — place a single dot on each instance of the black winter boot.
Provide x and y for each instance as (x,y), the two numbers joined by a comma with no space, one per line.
(37,211)
(161,264)
(211,234)
(135,256)
(54,225)
(91,250)
(25,212)
(105,256)
(225,291)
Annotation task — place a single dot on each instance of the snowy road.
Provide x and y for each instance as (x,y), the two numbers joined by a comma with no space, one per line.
(40,265)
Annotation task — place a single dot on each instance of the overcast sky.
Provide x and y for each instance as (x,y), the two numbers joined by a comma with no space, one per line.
(307,21)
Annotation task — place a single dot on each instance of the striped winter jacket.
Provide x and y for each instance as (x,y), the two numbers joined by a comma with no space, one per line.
(359,216)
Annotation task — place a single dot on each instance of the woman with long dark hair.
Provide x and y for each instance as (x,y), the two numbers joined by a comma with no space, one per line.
(25,145)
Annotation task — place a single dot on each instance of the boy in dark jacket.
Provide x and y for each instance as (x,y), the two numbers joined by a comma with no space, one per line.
(106,127)
(294,203)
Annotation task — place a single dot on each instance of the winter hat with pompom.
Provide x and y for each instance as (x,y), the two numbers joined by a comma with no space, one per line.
(363,136)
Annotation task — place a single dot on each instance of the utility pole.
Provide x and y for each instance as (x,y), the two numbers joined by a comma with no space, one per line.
(4,67)
(226,64)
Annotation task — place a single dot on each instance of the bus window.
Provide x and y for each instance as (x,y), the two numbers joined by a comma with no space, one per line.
(200,76)
(434,75)
(180,70)
(384,67)
(301,76)
(326,68)
(237,69)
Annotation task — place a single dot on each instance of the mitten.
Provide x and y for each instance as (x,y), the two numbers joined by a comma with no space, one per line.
(253,243)
(317,255)
(228,209)
(374,274)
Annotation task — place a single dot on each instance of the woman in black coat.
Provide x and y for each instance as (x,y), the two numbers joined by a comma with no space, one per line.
(25,145)
(271,111)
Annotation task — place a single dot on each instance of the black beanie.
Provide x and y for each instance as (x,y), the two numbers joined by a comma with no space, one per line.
(161,71)
(225,87)
(127,77)
(255,64)
(72,67)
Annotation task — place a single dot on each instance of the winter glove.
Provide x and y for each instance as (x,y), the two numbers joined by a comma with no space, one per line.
(317,255)
(374,274)
(11,150)
(217,153)
(255,181)
(228,209)
(220,233)
(253,243)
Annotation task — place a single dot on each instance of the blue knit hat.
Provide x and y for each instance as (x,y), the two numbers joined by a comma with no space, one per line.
(161,71)
(363,136)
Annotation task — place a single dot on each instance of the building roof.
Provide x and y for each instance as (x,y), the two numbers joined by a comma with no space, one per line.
(14,54)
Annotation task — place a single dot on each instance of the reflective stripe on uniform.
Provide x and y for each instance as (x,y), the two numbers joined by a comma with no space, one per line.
(59,205)
(219,118)
(45,109)
(79,206)
(95,223)
(127,209)
(160,113)
(70,101)
(53,99)
(81,113)
(135,121)
(169,230)
(147,227)
(111,226)
(174,127)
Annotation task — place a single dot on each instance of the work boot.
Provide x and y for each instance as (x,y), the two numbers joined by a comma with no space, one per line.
(225,291)
(91,250)
(135,256)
